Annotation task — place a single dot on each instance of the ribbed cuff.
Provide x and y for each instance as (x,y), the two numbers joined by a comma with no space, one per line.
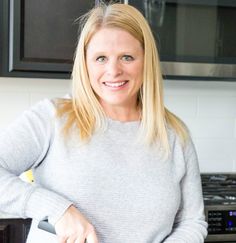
(43,204)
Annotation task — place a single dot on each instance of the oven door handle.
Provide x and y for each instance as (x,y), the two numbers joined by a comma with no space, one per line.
(45,225)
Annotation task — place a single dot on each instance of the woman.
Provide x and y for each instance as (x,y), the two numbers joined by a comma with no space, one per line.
(110,163)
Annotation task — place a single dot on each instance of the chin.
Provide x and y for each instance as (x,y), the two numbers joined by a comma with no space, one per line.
(115,102)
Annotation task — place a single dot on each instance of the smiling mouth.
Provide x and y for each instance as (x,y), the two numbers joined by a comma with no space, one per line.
(115,84)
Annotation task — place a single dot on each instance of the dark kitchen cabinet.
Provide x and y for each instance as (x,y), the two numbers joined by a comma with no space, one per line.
(38,38)
(14,230)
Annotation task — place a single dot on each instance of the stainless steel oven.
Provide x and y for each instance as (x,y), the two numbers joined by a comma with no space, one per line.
(222,223)
(219,193)
(196,38)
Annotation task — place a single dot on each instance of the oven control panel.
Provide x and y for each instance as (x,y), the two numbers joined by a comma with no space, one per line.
(221,221)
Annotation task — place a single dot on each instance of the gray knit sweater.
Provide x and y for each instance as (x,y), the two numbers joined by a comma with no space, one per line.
(125,189)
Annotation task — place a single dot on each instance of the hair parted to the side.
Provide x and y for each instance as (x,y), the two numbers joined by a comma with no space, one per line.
(84,109)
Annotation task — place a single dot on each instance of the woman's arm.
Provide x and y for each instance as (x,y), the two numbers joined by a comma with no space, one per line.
(190,225)
(23,145)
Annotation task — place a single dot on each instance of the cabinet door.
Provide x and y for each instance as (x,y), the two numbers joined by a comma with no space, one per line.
(39,37)
(4,233)
(14,230)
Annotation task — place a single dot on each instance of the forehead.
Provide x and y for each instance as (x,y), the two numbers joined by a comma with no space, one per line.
(112,38)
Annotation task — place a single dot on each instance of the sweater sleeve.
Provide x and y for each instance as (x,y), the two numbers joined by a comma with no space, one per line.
(23,145)
(190,224)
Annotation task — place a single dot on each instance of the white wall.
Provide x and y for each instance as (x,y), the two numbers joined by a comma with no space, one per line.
(208,108)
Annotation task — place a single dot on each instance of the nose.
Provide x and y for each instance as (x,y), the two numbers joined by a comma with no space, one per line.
(114,68)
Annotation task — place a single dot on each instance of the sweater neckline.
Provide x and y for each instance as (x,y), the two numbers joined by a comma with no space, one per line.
(122,124)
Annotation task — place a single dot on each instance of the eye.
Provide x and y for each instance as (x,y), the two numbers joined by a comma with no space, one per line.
(127,58)
(101,59)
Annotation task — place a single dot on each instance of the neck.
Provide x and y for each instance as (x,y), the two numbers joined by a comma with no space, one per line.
(123,114)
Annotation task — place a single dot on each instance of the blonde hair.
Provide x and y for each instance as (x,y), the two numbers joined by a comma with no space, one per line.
(84,109)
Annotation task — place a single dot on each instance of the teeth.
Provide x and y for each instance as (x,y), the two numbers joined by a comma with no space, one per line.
(115,84)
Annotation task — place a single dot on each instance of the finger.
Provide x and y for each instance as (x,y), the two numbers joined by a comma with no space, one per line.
(71,240)
(92,237)
(80,241)
(61,239)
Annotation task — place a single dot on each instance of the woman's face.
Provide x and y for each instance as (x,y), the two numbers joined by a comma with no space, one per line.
(115,66)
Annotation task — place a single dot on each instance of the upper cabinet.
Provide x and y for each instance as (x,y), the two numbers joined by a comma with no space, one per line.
(38,38)
(195,38)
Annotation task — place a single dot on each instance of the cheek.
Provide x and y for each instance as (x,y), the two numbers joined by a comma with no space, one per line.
(94,78)
(138,72)
(94,73)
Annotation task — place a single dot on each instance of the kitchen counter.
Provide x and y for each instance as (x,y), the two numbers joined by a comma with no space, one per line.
(7,216)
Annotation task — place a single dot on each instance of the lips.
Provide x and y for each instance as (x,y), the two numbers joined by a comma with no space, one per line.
(115,84)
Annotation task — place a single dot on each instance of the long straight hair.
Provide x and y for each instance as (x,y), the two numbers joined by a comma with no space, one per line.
(84,109)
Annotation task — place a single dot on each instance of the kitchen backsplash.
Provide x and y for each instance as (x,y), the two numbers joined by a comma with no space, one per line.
(208,108)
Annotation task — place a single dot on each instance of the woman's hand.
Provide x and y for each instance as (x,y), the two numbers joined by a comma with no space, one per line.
(73,227)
